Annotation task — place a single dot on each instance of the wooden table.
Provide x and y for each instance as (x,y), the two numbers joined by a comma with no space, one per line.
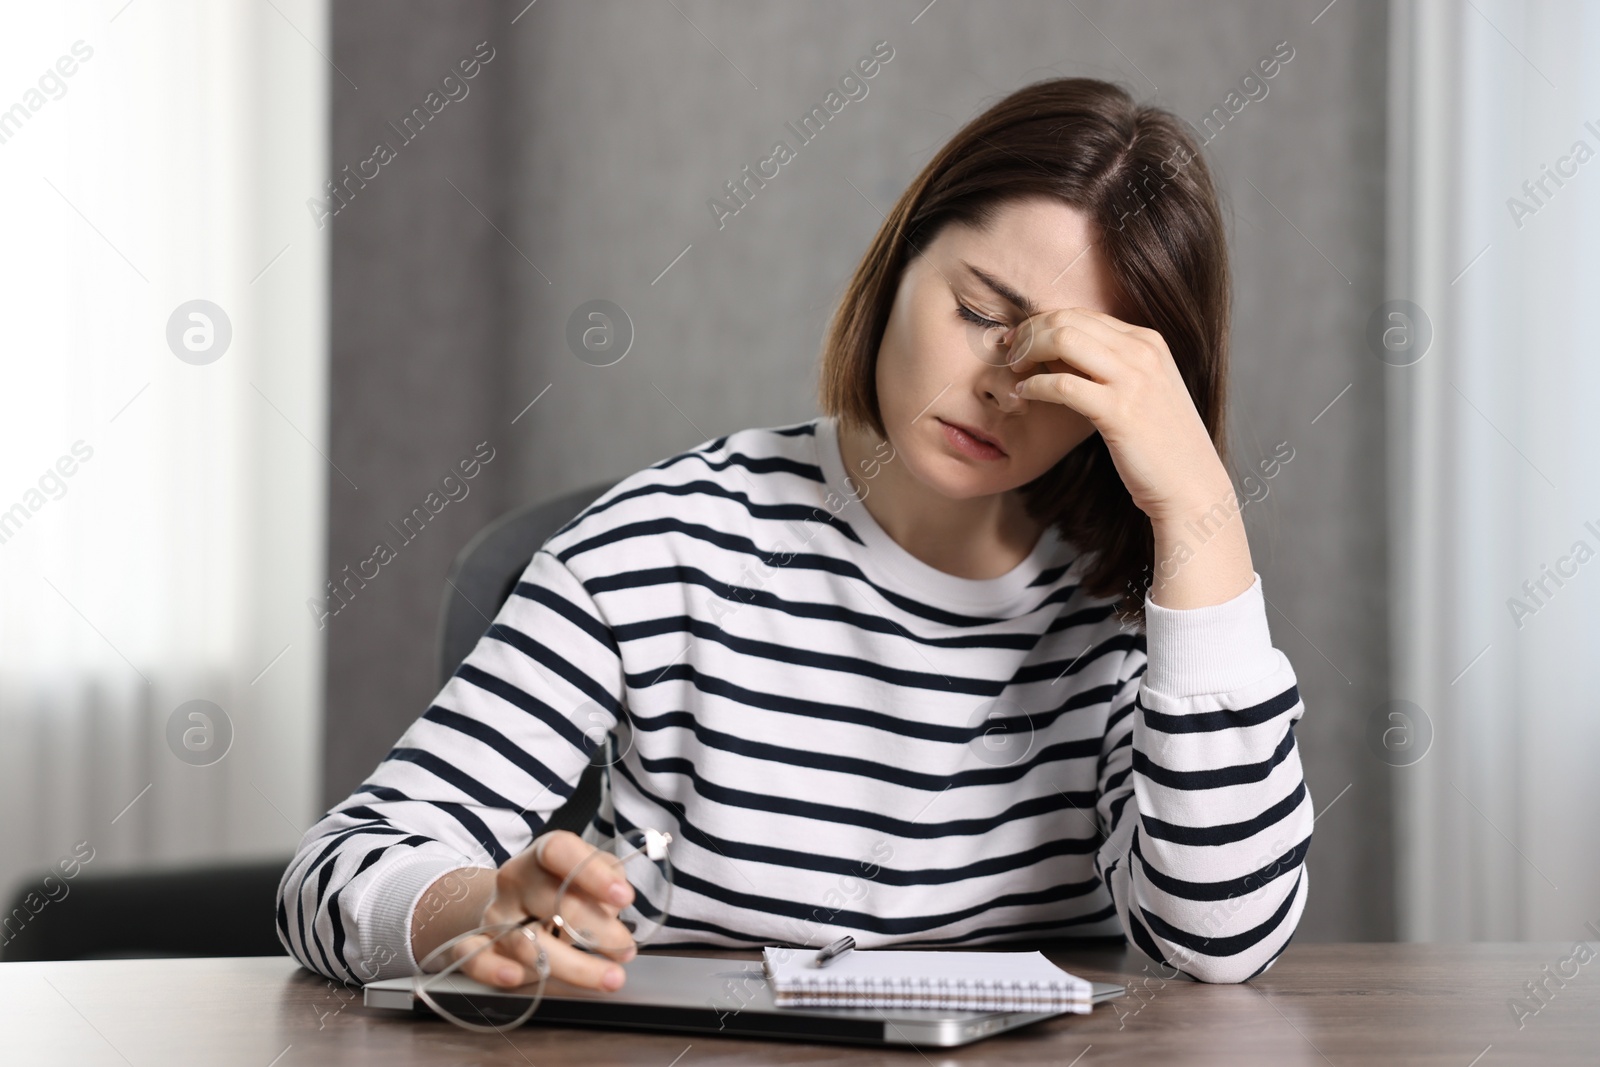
(1321,1004)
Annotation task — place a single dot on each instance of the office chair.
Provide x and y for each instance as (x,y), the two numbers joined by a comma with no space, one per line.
(481,579)
(229,909)
(191,910)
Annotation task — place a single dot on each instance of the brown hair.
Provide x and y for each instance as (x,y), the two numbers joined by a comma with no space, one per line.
(1136,173)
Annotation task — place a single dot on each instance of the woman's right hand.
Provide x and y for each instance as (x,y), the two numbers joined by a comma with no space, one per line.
(526,885)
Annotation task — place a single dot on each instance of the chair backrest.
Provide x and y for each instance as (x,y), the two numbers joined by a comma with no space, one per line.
(222,909)
(486,570)
(481,580)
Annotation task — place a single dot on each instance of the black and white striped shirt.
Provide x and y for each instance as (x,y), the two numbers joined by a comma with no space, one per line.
(841,738)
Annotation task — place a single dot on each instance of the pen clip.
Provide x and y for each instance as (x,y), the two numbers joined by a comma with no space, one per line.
(833,951)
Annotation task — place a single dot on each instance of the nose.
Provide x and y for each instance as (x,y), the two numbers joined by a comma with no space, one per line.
(997,385)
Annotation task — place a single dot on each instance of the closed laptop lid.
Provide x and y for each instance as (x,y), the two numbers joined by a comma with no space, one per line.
(706,994)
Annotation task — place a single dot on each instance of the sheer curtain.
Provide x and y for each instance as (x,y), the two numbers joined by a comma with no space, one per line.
(161,492)
(1495,226)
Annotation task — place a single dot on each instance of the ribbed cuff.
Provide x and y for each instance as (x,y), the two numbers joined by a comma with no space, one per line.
(1214,649)
(383,917)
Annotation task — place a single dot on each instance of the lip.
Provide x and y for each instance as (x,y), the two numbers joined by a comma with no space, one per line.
(976,435)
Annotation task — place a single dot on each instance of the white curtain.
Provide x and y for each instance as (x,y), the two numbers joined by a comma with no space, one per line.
(1494,220)
(161,518)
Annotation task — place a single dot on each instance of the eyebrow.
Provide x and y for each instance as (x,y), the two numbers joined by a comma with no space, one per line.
(1004,291)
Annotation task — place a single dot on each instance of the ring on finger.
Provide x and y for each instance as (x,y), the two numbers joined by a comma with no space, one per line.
(542,961)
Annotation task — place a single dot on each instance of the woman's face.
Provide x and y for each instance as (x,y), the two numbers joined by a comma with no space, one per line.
(937,368)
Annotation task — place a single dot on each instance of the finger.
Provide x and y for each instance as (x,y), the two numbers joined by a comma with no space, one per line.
(522,888)
(538,845)
(1089,398)
(1106,319)
(600,874)
(1068,343)
(514,961)
(489,966)
(1073,350)
(597,924)
(1105,328)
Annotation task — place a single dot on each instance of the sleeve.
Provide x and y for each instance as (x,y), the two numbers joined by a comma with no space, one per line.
(469,784)
(1202,793)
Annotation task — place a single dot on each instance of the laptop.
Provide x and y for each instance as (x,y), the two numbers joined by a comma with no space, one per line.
(704,994)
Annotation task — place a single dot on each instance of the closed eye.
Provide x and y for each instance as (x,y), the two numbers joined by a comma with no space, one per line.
(976,319)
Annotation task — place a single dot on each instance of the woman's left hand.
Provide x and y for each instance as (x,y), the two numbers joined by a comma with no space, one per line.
(1123,379)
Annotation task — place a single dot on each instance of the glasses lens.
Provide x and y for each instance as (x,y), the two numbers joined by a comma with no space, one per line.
(642,856)
(469,1004)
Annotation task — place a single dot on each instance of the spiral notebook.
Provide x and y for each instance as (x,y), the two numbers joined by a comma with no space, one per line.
(956,981)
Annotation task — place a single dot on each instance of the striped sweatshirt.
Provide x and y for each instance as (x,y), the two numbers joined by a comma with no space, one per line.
(841,738)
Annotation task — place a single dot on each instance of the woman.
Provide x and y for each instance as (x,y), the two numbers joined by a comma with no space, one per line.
(979,655)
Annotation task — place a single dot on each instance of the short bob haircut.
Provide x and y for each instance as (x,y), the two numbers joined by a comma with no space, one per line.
(1137,174)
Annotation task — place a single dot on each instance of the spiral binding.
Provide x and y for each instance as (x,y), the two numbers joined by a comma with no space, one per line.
(824,990)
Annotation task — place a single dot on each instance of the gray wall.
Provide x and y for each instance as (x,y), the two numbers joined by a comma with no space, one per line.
(593,140)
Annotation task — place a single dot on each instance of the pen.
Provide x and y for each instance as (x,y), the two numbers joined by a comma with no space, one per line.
(832,952)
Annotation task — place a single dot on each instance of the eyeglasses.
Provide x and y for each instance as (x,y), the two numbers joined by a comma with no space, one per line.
(642,856)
